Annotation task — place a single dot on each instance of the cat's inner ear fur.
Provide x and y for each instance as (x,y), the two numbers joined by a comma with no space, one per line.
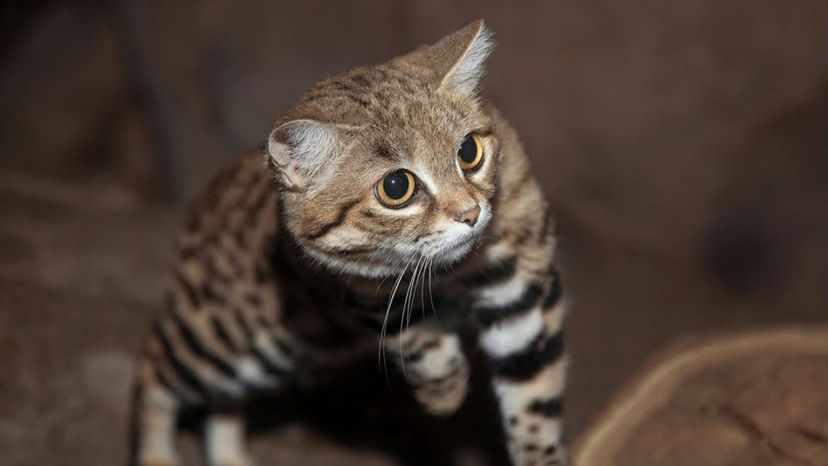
(305,150)
(458,60)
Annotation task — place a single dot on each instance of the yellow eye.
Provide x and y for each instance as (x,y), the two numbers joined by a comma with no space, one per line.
(470,152)
(396,188)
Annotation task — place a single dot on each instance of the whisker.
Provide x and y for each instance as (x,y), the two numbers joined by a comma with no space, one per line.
(381,348)
(405,318)
(430,295)
(422,287)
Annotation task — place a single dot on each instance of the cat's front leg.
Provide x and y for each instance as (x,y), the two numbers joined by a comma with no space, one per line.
(433,363)
(522,335)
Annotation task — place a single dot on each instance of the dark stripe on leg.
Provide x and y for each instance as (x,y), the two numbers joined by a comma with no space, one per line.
(553,295)
(489,315)
(493,273)
(552,407)
(525,364)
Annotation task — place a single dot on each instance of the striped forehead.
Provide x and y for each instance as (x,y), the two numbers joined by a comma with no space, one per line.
(428,153)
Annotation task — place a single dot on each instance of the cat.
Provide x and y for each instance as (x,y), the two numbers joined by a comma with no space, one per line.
(390,203)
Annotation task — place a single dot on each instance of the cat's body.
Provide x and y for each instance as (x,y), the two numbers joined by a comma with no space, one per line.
(391,206)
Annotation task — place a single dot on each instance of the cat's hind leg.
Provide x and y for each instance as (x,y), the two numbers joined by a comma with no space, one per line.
(154,416)
(224,439)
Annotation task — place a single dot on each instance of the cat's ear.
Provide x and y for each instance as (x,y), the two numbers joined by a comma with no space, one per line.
(301,150)
(458,60)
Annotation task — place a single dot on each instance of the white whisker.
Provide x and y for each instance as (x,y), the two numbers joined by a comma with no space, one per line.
(407,306)
(381,348)
(430,295)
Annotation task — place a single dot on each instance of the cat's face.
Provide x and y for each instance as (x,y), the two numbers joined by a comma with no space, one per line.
(385,166)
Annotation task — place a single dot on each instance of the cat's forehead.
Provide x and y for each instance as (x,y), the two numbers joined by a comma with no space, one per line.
(388,100)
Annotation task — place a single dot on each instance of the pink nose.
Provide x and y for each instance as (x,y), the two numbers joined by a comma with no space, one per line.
(470,216)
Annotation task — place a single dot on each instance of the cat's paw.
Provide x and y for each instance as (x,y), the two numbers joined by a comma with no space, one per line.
(533,455)
(444,397)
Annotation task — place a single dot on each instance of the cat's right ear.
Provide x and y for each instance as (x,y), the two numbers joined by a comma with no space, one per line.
(457,62)
(301,150)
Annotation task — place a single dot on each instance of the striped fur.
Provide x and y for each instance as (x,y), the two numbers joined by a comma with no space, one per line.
(290,264)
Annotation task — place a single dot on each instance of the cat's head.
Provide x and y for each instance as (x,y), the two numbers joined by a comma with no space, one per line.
(393,163)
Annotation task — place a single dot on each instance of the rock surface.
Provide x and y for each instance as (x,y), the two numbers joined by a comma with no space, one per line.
(758,399)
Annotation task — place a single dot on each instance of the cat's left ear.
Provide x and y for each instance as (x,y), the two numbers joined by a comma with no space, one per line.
(457,62)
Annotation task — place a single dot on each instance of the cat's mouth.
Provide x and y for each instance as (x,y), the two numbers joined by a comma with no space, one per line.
(459,240)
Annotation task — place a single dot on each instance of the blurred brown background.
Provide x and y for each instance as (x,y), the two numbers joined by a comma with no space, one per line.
(684,146)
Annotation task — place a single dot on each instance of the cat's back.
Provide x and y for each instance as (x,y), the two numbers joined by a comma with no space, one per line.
(237,213)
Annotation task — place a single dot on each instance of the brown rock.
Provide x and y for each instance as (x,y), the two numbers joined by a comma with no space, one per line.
(740,400)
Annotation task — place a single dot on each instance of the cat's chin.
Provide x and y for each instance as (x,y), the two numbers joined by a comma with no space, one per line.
(455,254)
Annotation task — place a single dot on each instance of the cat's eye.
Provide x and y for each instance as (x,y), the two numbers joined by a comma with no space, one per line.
(470,152)
(396,188)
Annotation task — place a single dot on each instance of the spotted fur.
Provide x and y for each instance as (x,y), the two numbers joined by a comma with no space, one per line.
(289,263)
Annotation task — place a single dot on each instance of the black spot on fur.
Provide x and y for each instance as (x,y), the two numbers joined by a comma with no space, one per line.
(210,294)
(253,299)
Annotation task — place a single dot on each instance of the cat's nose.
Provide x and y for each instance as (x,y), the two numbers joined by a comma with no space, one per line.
(470,216)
